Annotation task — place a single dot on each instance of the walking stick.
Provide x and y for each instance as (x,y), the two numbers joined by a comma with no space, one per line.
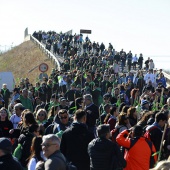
(161,145)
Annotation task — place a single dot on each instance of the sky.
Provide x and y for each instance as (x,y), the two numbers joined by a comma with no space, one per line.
(141,26)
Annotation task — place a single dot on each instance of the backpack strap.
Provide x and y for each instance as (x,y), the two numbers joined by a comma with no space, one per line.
(133,142)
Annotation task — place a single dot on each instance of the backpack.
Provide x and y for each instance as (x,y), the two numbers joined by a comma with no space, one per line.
(115,132)
(69,165)
(147,134)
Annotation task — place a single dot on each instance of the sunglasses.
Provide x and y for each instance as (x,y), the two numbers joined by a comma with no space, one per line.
(47,145)
(40,114)
(65,117)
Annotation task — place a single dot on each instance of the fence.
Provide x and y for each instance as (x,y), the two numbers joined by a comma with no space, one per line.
(53,59)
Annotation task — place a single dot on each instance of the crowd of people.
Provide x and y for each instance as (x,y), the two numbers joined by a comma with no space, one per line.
(104,110)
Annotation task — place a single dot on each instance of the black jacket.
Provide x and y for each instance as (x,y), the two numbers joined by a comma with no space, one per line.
(8,162)
(105,154)
(74,145)
(92,115)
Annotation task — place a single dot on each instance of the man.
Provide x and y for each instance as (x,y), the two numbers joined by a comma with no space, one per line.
(155,130)
(54,101)
(139,150)
(104,154)
(140,61)
(26,102)
(51,150)
(70,94)
(7,162)
(6,94)
(16,117)
(149,77)
(61,123)
(129,60)
(92,112)
(75,141)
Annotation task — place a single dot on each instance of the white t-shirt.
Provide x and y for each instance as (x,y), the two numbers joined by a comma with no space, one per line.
(15,120)
(32,164)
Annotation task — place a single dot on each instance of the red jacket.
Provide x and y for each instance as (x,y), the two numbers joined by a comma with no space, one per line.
(137,156)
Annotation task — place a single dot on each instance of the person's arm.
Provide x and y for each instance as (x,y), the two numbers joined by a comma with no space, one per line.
(119,156)
(123,140)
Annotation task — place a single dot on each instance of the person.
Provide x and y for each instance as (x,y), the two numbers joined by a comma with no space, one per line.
(36,153)
(104,154)
(156,133)
(61,123)
(75,140)
(51,150)
(7,161)
(6,94)
(26,102)
(140,61)
(16,117)
(139,150)
(111,118)
(41,116)
(15,96)
(132,114)
(5,124)
(92,112)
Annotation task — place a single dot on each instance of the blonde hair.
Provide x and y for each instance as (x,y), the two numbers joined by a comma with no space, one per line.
(41,110)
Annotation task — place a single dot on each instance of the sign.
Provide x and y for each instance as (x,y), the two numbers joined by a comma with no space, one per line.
(43,67)
(85,31)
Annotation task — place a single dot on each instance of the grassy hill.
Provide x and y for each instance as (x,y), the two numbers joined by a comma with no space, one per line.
(23,58)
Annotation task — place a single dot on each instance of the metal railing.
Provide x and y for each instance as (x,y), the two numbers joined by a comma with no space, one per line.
(53,59)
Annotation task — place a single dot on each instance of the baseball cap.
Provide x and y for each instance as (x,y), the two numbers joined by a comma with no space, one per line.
(144,102)
(5,144)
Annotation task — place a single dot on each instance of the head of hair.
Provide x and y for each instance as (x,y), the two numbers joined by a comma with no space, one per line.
(160,116)
(53,138)
(125,108)
(137,131)
(28,118)
(3,108)
(130,112)
(121,118)
(103,130)
(51,112)
(19,106)
(41,110)
(79,114)
(88,97)
(36,148)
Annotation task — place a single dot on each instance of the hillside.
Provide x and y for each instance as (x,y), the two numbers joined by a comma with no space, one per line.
(23,58)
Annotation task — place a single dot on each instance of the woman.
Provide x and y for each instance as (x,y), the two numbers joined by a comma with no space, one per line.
(131,113)
(41,116)
(22,152)
(5,124)
(111,117)
(51,114)
(144,119)
(123,122)
(36,153)
(134,97)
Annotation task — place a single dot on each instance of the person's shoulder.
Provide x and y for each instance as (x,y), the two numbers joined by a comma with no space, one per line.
(55,161)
